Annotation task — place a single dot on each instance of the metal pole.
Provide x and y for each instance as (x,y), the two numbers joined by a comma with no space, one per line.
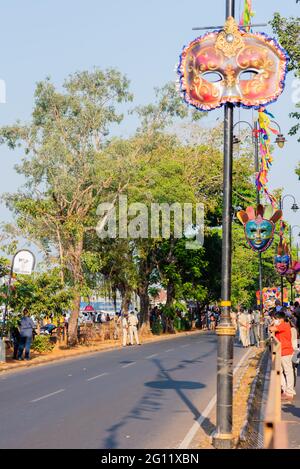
(290,232)
(223,438)
(260,281)
(281,277)
(2,341)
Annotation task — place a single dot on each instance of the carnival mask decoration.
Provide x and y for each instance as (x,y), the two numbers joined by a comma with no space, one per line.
(259,231)
(232,66)
(291,273)
(297,284)
(282,259)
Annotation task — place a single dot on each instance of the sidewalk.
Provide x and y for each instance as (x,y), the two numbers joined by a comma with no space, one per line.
(67,353)
(291,416)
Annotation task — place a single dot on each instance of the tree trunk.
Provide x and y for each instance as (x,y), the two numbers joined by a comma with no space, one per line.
(144,303)
(73,321)
(126,298)
(170,293)
(78,281)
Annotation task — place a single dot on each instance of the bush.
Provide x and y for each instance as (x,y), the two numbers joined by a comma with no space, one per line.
(42,344)
(156,327)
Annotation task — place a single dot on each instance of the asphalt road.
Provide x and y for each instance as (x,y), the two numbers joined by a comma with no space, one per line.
(136,397)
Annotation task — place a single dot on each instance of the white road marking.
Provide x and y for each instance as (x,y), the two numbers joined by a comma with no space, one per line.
(197,425)
(128,364)
(152,356)
(48,395)
(169,350)
(98,376)
(187,345)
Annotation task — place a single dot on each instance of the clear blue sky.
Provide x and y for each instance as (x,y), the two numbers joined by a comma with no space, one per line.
(141,38)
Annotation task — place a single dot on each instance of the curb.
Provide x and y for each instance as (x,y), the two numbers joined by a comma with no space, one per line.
(243,432)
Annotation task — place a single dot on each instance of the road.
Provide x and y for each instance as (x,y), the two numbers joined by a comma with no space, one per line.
(137,397)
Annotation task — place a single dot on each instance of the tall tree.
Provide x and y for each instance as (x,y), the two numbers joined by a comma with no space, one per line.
(66,168)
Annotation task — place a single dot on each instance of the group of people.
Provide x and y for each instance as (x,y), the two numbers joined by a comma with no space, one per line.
(247,324)
(129,323)
(284,323)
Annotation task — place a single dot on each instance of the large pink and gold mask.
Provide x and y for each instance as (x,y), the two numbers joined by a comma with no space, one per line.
(232,66)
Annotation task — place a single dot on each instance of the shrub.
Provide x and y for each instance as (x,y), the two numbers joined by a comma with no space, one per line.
(156,327)
(42,344)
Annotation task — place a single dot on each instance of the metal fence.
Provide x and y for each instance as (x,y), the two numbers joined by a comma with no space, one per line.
(275,432)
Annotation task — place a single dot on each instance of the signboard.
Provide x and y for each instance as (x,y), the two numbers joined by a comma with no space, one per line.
(23,262)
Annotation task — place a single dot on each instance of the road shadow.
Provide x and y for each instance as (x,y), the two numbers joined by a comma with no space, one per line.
(291,409)
(152,403)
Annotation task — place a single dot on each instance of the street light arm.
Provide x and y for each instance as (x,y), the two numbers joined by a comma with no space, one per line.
(244,122)
(284,197)
(278,126)
(294,226)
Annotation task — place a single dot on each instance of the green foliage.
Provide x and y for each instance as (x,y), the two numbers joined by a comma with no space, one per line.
(42,293)
(42,344)
(156,327)
(288,32)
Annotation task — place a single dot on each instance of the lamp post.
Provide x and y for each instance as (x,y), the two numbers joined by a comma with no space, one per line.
(280,140)
(223,437)
(291,245)
(294,208)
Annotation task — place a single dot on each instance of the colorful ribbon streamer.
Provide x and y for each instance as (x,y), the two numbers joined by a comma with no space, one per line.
(266,158)
(247,15)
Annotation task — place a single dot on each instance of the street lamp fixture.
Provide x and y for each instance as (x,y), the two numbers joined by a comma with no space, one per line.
(294,207)
(236,140)
(280,140)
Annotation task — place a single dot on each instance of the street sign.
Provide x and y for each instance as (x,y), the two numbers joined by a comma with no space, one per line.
(23,262)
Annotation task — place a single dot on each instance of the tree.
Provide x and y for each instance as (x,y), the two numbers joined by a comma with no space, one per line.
(43,294)
(288,32)
(66,168)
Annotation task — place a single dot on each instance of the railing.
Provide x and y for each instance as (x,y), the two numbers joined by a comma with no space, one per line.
(275,434)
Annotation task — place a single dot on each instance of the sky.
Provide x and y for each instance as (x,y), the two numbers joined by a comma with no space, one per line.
(143,39)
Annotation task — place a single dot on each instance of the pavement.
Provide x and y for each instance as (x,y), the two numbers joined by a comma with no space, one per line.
(147,396)
(290,414)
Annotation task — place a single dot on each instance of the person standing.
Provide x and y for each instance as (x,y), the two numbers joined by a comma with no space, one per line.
(256,326)
(297,315)
(233,316)
(244,327)
(133,333)
(15,335)
(26,332)
(282,330)
(124,324)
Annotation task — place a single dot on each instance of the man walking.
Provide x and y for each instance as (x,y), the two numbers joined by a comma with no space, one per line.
(133,322)
(282,331)
(26,331)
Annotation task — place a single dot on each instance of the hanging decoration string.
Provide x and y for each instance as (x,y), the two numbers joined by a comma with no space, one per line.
(266,159)
(247,15)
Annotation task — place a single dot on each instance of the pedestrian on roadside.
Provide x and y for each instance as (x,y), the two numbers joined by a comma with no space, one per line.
(233,316)
(124,324)
(297,314)
(15,335)
(256,326)
(282,330)
(26,332)
(133,332)
(244,327)
(295,359)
